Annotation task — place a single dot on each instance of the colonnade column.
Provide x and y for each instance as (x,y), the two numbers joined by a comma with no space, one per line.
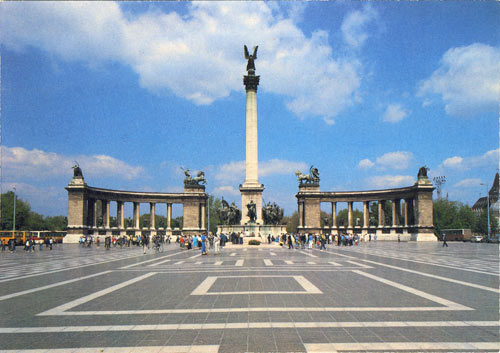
(334,214)
(349,215)
(411,212)
(91,213)
(136,215)
(395,215)
(169,216)
(152,211)
(120,207)
(405,212)
(381,214)
(366,214)
(105,213)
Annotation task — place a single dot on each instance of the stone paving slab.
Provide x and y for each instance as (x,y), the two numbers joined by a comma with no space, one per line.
(384,296)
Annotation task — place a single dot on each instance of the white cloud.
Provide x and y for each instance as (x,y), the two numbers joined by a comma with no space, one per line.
(353,27)
(235,171)
(489,159)
(394,160)
(46,200)
(468,183)
(198,56)
(19,162)
(365,164)
(398,160)
(394,113)
(467,80)
(390,181)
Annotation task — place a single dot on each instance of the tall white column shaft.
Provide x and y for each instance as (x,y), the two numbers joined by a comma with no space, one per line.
(251,164)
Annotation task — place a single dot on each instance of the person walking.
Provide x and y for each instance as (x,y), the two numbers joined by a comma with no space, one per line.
(444,240)
(323,242)
(204,244)
(216,245)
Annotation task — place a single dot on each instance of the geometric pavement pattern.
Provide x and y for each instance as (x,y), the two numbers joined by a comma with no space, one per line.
(383,296)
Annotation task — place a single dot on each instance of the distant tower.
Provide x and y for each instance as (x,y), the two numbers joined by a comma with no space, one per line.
(251,190)
(439,181)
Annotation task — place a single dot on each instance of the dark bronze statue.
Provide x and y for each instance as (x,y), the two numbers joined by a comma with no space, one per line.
(252,211)
(251,58)
(229,215)
(189,180)
(272,213)
(77,171)
(422,172)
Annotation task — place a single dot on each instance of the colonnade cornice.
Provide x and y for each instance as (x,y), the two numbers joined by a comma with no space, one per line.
(141,196)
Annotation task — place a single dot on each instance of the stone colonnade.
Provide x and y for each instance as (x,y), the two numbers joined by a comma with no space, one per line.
(86,204)
(412,211)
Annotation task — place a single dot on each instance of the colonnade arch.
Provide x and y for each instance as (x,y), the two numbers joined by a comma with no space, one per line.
(89,210)
(411,209)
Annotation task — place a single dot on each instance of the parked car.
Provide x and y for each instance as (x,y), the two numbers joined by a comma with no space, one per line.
(476,239)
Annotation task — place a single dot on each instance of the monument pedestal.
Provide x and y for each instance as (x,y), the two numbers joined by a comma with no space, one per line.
(251,193)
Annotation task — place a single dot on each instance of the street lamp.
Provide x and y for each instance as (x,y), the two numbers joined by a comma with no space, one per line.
(14,215)
(439,181)
(487,208)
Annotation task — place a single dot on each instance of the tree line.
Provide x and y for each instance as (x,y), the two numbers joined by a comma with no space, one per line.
(447,215)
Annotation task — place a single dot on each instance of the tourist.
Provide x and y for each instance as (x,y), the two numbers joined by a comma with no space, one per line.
(203,244)
(195,241)
(216,245)
(310,241)
(323,242)
(444,240)
(290,245)
(269,238)
(12,245)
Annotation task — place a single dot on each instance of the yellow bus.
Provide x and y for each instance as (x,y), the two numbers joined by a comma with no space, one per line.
(19,236)
(56,235)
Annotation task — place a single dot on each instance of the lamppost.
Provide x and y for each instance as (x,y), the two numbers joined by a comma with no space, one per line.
(14,215)
(487,208)
(439,181)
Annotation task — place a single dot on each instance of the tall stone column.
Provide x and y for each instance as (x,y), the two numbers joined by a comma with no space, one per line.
(366,214)
(120,217)
(105,213)
(152,212)
(381,214)
(349,215)
(202,214)
(251,190)
(334,214)
(405,212)
(136,215)
(169,216)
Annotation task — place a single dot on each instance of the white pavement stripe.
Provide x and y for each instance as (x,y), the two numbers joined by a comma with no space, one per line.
(425,274)
(358,264)
(179,262)
(308,286)
(308,254)
(218,263)
(268,262)
(198,263)
(239,325)
(413,291)
(95,295)
(334,263)
(311,263)
(145,349)
(288,262)
(17,294)
(159,263)
(232,254)
(239,263)
(148,261)
(194,257)
(272,253)
(392,346)
(246,310)
(65,269)
(458,267)
(204,286)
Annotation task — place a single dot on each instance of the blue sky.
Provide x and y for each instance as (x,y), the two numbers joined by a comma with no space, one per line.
(367,92)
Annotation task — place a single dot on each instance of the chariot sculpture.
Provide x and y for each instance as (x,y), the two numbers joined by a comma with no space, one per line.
(272,213)
(311,178)
(197,180)
(229,215)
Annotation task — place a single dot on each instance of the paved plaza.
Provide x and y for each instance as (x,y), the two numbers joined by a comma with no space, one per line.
(372,297)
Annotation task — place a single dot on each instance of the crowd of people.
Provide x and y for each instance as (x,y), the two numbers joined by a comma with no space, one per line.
(309,241)
(205,242)
(30,244)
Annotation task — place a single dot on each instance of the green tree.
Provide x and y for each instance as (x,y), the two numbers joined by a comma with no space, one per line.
(22,211)
(178,222)
(56,222)
(214,204)
(292,222)
(35,222)
(481,225)
(446,215)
